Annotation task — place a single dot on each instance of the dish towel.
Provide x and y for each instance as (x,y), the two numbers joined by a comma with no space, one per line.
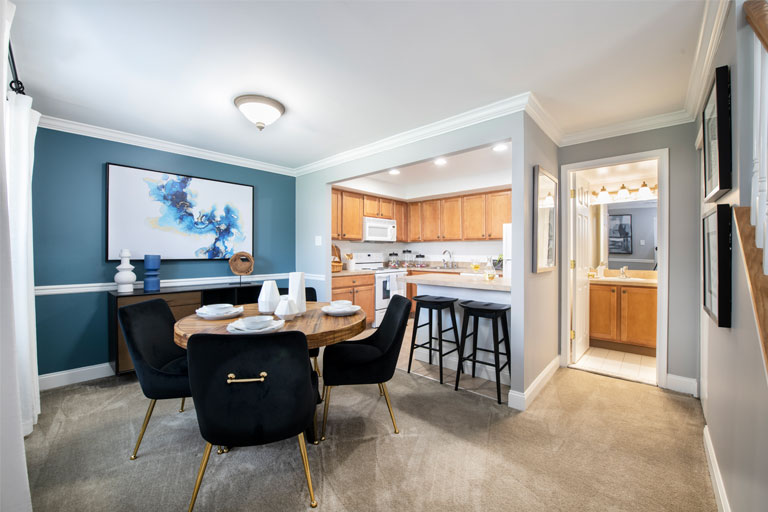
(297,291)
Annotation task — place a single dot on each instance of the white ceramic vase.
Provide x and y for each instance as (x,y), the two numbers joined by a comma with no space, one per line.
(298,291)
(286,309)
(125,277)
(269,297)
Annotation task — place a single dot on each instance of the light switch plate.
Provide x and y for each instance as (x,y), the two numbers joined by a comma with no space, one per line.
(642,242)
(319,240)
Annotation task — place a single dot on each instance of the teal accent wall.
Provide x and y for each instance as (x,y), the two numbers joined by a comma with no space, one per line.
(69,218)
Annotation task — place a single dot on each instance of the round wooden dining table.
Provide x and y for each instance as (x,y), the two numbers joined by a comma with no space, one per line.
(320,329)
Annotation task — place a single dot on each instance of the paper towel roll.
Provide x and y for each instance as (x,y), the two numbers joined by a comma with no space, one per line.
(297,291)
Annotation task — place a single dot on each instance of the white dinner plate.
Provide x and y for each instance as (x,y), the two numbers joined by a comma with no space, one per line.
(349,310)
(220,316)
(274,326)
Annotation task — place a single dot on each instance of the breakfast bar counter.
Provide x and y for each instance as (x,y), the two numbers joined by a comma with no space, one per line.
(472,282)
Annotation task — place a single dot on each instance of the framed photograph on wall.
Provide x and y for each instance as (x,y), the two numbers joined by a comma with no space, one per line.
(176,216)
(544,220)
(620,234)
(716,225)
(716,126)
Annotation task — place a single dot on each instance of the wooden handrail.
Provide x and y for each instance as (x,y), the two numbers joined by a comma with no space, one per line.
(757,280)
(757,17)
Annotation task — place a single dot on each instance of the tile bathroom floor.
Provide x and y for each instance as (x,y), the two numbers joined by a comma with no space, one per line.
(618,364)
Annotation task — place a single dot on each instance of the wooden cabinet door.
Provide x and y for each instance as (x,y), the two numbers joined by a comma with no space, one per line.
(370,206)
(430,220)
(343,294)
(414,222)
(335,214)
(365,298)
(351,216)
(450,218)
(386,209)
(638,315)
(498,208)
(603,317)
(473,217)
(401,220)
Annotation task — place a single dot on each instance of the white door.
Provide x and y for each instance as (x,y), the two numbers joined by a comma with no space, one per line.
(580,254)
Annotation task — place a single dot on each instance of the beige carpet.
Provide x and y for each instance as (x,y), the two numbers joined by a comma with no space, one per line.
(587,443)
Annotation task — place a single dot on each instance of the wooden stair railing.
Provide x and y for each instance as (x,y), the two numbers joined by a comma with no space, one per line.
(756,279)
(757,17)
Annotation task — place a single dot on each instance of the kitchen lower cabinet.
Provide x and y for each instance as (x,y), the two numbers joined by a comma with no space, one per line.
(360,289)
(623,314)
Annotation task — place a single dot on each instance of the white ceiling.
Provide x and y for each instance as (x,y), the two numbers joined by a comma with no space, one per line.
(476,169)
(349,73)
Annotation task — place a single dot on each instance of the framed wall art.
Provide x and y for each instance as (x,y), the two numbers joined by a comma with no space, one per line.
(716,126)
(716,226)
(176,216)
(544,220)
(620,234)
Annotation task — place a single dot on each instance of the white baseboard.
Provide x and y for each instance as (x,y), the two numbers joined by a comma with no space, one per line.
(714,473)
(682,384)
(74,376)
(521,401)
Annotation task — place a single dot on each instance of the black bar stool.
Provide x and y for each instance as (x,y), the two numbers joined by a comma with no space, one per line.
(494,312)
(438,304)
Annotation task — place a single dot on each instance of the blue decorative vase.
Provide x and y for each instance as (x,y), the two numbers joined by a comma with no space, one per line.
(151,272)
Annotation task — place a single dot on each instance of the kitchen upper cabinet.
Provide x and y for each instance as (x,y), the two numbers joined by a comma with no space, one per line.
(450,218)
(414,222)
(603,318)
(498,210)
(378,207)
(351,216)
(430,220)
(473,217)
(335,214)
(401,220)
(638,315)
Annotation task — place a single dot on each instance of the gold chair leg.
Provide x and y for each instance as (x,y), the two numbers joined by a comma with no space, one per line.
(181,409)
(222,449)
(314,427)
(392,414)
(143,427)
(200,473)
(305,460)
(317,367)
(327,399)
(381,391)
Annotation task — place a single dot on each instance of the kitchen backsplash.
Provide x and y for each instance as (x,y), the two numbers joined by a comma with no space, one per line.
(433,251)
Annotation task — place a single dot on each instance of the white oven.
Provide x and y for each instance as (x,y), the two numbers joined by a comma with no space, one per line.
(379,230)
(388,284)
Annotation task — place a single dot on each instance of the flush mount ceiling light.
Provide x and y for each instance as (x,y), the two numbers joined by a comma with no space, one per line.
(259,110)
(603,197)
(394,172)
(440,161)
(645,192)
(501,146)
(623,193)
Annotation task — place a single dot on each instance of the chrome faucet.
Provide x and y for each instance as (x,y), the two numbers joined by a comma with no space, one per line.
(448,264)
(623,272)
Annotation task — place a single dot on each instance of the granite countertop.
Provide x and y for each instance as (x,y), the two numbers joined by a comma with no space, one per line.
(459,281)
(626,281)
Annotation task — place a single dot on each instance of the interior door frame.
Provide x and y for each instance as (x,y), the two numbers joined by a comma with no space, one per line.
(662,313)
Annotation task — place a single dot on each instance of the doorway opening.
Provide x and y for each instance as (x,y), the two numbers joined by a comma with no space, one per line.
(615,280)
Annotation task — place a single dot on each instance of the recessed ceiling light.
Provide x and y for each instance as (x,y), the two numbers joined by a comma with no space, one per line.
(440,161)
(259,110)
(394,172)
(501,146)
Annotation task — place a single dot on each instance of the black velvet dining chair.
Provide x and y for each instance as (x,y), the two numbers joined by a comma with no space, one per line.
(251,390)
(160,364)
(368,361)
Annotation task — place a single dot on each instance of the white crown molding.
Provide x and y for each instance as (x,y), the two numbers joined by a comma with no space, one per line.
(628,127)
(459,121)
(545,121)
(712,25)
(63,125)
(62,289)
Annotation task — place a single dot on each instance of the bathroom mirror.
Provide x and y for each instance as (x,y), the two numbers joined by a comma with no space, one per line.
(544,220)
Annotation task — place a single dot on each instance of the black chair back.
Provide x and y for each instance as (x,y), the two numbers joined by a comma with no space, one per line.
(388,338)
(310,292)
(251,413)
(148,331)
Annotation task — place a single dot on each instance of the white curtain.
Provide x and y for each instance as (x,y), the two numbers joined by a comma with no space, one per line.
(14,483)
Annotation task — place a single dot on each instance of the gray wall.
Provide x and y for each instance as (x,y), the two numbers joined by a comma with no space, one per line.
(734,390)
(643,223)
(542,291)
(684,253)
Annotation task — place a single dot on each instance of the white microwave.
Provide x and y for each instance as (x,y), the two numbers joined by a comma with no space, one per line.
(379,230)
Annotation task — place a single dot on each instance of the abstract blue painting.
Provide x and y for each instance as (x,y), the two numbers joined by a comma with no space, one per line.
(176,216)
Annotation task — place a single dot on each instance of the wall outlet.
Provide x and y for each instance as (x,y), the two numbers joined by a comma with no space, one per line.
(319,240)
(642,242)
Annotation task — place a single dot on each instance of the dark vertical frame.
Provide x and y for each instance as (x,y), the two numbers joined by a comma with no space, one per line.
(722,88)
(721,317)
